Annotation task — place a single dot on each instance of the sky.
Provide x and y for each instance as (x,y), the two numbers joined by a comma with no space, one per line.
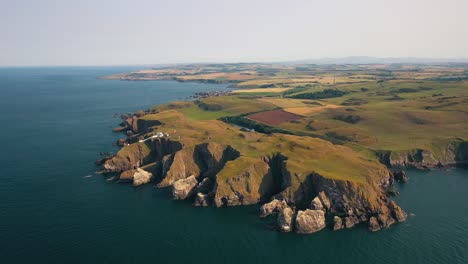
(117,32)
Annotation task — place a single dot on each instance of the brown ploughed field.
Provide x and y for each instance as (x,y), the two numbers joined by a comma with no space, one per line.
(274,117)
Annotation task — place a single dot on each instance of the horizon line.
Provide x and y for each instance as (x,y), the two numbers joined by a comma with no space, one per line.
(298,61)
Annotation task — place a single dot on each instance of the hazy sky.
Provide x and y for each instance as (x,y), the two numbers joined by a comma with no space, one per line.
(105,32)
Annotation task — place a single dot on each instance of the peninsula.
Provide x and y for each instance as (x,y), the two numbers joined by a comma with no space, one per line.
(314,145)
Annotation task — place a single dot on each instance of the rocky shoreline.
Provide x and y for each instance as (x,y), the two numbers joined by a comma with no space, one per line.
(193,172)
(168,163)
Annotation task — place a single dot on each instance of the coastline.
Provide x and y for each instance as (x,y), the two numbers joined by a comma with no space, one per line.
(193,148)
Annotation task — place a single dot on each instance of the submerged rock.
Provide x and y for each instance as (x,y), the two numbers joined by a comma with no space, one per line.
(120,128)
(102,161)
(183,188)
(310,221)
(203,199)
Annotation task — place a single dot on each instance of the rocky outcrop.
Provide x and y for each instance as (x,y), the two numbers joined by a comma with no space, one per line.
(441,153)
(178,166)
(162,147)
(142,125)
(101,161)
(184,188)
(397,212)
(243,181)
(141,177)
(231,180)
(216,174)
(205,186)
(136,155)
(350,221)
(374,224)
(310,221)
(400,176)
(356,202)
(127,176)
(274,206)
(285,219)
(203,199)
(213,156)
(127,124)
(136,176)
(129,157)
(337,223)
(285,214)
(390,214)
(324,200)
(203,160)
(316,204)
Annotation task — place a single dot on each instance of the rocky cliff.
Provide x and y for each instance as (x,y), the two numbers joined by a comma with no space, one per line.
(440,153)
(303,181)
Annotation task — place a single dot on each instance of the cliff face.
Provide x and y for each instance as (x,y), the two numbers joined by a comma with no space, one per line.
(240,180)
(179,165)
(243,181)
(307,175)
(437,154)
(129,157)
(174,161)
(356,202)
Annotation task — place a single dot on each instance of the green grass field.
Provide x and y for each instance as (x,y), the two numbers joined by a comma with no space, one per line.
(367,109)
(350,123)
(389,114)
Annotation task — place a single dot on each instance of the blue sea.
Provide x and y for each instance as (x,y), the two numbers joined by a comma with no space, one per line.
(55,209)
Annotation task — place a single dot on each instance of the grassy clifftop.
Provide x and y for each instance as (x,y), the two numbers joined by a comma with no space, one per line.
(310,134)
(248,167)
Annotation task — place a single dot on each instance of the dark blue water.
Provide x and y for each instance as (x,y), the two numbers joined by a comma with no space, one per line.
(55,121)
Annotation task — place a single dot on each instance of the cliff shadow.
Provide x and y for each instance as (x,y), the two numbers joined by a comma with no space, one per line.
(277,180)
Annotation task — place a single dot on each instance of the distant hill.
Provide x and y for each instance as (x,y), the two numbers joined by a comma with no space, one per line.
(376,60)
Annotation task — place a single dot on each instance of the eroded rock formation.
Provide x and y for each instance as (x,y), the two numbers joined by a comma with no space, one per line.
(285,219)
(183,188)
(141,177)
(310,221)
(219,175)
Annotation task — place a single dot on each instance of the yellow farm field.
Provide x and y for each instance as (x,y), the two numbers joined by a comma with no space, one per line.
(311,110)
(262,90)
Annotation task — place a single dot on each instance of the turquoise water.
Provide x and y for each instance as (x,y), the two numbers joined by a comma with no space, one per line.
(55,121)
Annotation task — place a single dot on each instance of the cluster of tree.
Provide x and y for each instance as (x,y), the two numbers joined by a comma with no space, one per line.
(243,121)
(294,90)
(327,93)
(250,124)
(209,107)
(450,78)
(352,119)
(334,135)
(355,101)
(407,90)
(268,85)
